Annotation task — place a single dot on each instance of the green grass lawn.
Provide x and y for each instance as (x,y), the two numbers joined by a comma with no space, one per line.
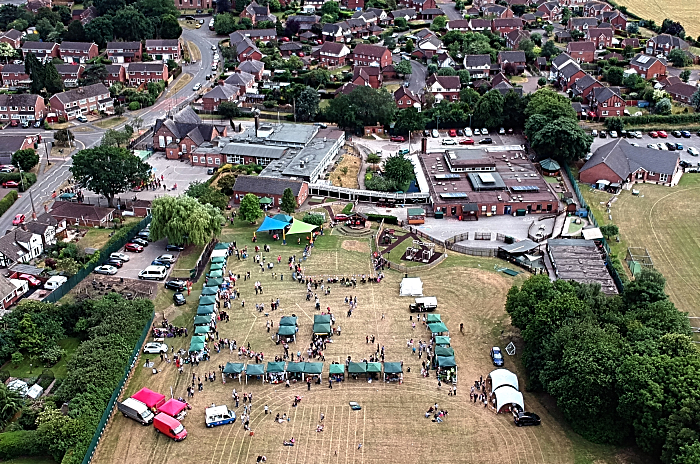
(109,123)
(32,460)
(23,370)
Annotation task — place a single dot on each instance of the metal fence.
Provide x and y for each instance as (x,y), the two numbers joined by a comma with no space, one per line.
(107,414)
(74,280)
(472,251)
(608,262)
(403,267)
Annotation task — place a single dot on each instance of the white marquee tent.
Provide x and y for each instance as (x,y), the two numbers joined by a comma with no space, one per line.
(411,286)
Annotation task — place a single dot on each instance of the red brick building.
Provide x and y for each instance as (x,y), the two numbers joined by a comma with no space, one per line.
(370,76)
(21,107)
(582,52)
(616,18)
(140,73)
(607,102)
(332,54)
(444,87)
(124,52)
(82,101)
(270,187)
(601,36)
(164,49)
(77,52)
(44,51)
(14,75)
(70,73)
(184,124)
(418,5)
(502,27)
(649,67)
(12,37)
(404,98)
(115,73)
(217,95)
(516,58)
(365,55)
(257,13)
(195,4)
(253,67)
(682,92)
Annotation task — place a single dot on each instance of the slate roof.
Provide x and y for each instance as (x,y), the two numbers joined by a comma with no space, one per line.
(290,46)
(673,41)
(251,66)
(13,34)
(602,94)
(14,68)
(683,89)
(82,92)
(580,22)
(511,56)
(569,70)
(69,210)
(10,243)
(162,43)
(333,48)
(559,61)
(10,143)
(241,78)
(585,46)
(458,24)
(410,12)
(223,92)
(405,92)
(146,67)
(266,185)
(123,45)
(374,51)
(645,62)
(261,33)
(304,19)
(78,46)
(624,159)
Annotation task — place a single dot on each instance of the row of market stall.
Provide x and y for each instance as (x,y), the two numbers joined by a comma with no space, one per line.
(280,372)
(443,360)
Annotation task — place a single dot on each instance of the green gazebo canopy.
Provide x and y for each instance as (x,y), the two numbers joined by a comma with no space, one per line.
(221,246)
(218,259)
(300,227)
(254,369)
(322,328)
(392,368)
(203,310)
(442,340)
(273,367)
(444,351)
(549,165)
(196,345)
(322,318)
(214,281)
(201,329)
(336,369)
(374,367)
(216,274)
(265,201)
(199,338)
(437,327)
(446,361)
(207,300)
(434,318)
(286,330)
(288,320)
(202,320)
(216,266)
(357,368)
(295,367)
(313,368)
(233,368)
(209,291)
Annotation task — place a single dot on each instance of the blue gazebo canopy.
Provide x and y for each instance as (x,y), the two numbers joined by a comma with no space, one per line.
(271,224)
(283,218)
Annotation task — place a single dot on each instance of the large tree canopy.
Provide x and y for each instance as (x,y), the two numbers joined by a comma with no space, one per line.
(108,170)
(364,106)
(562,139)
(184,220)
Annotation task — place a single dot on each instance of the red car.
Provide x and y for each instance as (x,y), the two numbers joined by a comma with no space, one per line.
(592,114)
(319,42)
(453,132)
(133,247)
(10,183)
(284,39)
(398,138)
(19,219)
(653,134)
(14,123)
(663,134)
(33,281)
(341,217)
(301,54)
(466,142)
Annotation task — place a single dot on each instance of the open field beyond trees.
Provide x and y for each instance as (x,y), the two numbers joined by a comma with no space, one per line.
(683,11)
(391,425)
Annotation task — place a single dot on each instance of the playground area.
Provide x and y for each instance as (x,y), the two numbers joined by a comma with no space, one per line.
(417,250)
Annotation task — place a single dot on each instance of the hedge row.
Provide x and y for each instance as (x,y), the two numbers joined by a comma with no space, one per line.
(29,179)
(20,443)
(665,119)
(8,201)
(387,218)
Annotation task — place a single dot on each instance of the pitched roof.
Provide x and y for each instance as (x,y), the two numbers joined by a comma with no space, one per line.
(266,185)
(447,82)
(498,78)
(507,22)
(458,24)
(223,92)
(671,40)
(240,78)
(46,46)
(123,45)
(291,46)
(585,46)
(251,66)
(403,13)
(560,60)
(682,88)
(69,210)
(512,56)
(10,244)
(82,92)
(14,68)
(598,31)
(261,33)
(585,82)
(670,80)
(480,23)
(80,46)
(162,43)
(645,61)
(346,89)
(624,159)
(583,21)
(304,19)
(405,92)
(333,48)
(602,94)
(13,34)
(10,143)
(570,69)
(375,51)
(146,67)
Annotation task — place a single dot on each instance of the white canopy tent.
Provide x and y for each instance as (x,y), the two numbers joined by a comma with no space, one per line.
(411,286)
(507,396)
(217,253)
(501,377)
(427,301)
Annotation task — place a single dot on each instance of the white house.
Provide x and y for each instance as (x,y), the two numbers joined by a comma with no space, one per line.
(19,246)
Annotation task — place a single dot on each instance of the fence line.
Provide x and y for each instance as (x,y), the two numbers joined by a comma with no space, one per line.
(402,267)
(608,262)
(74,280)
(107,414)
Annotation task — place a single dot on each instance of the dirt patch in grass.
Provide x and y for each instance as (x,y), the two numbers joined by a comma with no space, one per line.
(354,245)
(345,173)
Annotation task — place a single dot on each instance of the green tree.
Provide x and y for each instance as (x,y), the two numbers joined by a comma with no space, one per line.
(536,38)
(289,202)
(131,25)
(438,23)
(319,77)
(17,359)
(332,9)
(207,195)
(373,159)
(44,28)
(35,69)
(28,336)
(108,170)
(364,106)
(67,266)
(250,208)
(409,120)
(403,67)
(94,74)
(614,124)
(225,184)
(116,138)
(52,80)
(513,110)
(399,170)
(628,51)
(663,106)
(488,111)
(75,32)
(447,71)
(229,110)
(170,28)
(549,49)
(307,104)
(465,76)
(614,75)
(633,27)
(409,47)
(609,230)
(63,136)
(184,220)
(685,75)
(549,104)
(25,159)
(10,403)
(528,46)
(542,81)
(100,30)
(679,58)
(6,51)
(469,96)
(401,23)
(562,139)
(695,100)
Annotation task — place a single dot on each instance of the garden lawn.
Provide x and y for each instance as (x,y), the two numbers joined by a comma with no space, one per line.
(23,370)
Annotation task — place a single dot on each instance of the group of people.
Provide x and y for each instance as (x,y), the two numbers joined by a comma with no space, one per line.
(478,392)
(438,414)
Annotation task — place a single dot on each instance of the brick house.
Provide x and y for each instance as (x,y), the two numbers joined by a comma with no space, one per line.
(140,73)
(253,67)
(220,93)
(195,4)
(601,36)
(290,48)
(365,55)
(583,86)
(9,144)
(115,73)
(70,73)
(502,27)
(44,51)
(77,52)
(12,37)
(257,13)
(514,57)
(271,187)
(418,5)
(15,75)
(514,38)
(594,9)
(263,35)
(370,76)
(339,32)
(81,101)
(80,213)
(582,52)
(443,87)
(164,49)
(180,127)
(497,11)
(607,102)
(581,24)
(409,14)
(631,41)
(648,67)
(569,74)
(124,52)
(332,54)
(405,98)
(479,25)
(461,25)
(245,48)
(244,81)
(682,92)
(11,290)
(620,162)
(551,11)
(45,226)
(21,107)
(662,44)
(615,18)
(479,66)
(85,15)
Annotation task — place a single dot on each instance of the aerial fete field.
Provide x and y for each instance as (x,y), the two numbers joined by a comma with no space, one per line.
(684,11)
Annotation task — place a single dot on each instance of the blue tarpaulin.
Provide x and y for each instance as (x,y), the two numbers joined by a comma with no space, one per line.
(271,224)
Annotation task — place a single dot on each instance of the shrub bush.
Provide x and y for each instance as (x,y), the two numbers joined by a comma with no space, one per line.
(21,443)
(8,201)
(387,218)
(315,219)
(51,355)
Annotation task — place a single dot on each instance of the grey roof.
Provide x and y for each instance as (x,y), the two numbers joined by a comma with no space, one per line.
(290,46)
(6,287)
(10,244)
(602,94)
(123,45)
(14,68)
(522,246)
(570,69)
(187,115)
(19,100)
(583,21)
(80,211)
(375,51)
(561,59)
(146,67)
(304,19)
(266,185)
(45,46)
(402,13)
(10,143)
(244,45)
(293,133)
(671,40)
(251,66)
(69,68)
(584,82)
(255,150)
(512,56)
(161,43)
(79,46)
(82,92)
(240,78)
(647,61)
(261,33)
(624,159)
(312,154)
(13,34)
(585,46)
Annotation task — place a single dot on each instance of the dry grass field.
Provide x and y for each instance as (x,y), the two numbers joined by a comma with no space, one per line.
(391,426)
(684,11)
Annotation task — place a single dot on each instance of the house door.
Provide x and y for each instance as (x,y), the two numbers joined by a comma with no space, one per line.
(507,209)
(529,209)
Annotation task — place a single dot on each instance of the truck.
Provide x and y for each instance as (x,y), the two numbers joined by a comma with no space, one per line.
(136,410)
(219,415)
(424,304)
(170,427)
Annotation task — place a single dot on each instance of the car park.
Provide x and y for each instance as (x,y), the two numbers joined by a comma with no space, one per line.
(135,247)
(638,134)
(155,348)
(662,146)
(114,262)
(487,140)
(119,256)
(653,134)
(468,132)
(603,134)
(33,281)
(105,269)
(448,142)
(526,418)
(140,241)
(158,262)
(179,299)
(466,142)
(484,132)
(10,184)
(477,132)
(178,285)
(671,146)
(398,138)
(19,219)
(676,134)
(693,151)
(613,134)
(496,356)
(173,247)
(662,134)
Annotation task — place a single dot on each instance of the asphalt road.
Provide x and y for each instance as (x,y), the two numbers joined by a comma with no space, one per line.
(450,10)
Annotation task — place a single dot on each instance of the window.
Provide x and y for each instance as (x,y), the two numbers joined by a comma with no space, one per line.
(663,177)
(217,161)
(605,113)
(605,104)
(209,161)
(194,159)
(483,209)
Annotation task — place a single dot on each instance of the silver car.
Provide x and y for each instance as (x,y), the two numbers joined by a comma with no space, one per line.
(167,258)
(119,256)
(106,269)
(435,133)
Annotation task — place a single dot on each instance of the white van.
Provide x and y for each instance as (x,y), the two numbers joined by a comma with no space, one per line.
(54,282)
(153,273)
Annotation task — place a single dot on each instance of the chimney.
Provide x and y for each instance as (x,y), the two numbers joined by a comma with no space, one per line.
(424,145)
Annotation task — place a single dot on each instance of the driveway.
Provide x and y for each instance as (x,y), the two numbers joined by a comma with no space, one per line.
(450,11)
(417,80)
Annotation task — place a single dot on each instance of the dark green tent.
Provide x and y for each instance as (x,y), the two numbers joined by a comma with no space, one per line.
(288,320)
(233,368)
(322,328)
(286,330)
(444,351)
(446,361)
(221,246)
(295,367)
(275,367)
(201,329)
(203,310)
(442,340)
(438,327)
(322,318)
(214,282)
(392,368)
(313,368)
(196,345)
(254,369)
(374,367)
(357,368)
(216,267)
(218,259)
(336,369)
(207,300)
(202,320)
(433,318)
(207,291)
